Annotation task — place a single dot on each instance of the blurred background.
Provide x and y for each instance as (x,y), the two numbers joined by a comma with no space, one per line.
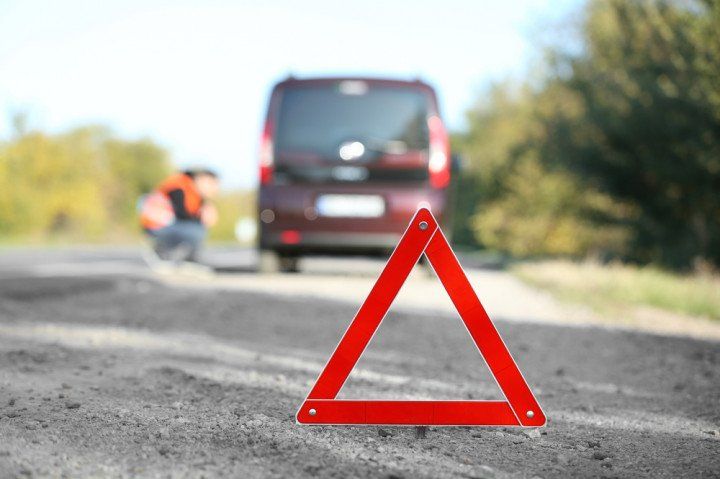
(589,130)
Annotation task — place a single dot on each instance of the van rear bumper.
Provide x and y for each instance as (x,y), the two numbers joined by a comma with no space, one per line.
(332,243)
(290,222)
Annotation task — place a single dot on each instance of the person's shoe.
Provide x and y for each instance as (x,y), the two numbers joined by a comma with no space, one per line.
(156,262)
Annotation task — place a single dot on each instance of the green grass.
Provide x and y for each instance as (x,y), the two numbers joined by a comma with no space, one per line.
(608,287)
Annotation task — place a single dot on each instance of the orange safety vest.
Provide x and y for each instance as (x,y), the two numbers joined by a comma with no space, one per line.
(157,211)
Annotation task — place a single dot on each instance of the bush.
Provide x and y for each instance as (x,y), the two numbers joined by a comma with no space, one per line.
(81,184)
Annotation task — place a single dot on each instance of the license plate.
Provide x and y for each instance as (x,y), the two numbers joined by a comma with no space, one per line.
(350,206)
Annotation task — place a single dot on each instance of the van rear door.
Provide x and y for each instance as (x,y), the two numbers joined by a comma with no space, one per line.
(352,131)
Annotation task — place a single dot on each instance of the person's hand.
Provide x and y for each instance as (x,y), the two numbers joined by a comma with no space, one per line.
(209,215)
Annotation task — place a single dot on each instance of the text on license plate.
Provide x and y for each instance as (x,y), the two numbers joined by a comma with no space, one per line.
(350,206)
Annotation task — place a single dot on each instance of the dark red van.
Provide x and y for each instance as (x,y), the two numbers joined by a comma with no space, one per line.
(345,163)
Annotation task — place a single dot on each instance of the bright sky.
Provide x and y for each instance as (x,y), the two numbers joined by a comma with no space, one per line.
(195,76)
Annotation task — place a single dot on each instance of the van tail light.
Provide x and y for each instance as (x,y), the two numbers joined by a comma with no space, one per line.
(439,163)
(290,237)
(267,159)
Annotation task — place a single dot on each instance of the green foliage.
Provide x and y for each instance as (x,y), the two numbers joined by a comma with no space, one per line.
(617,150)
(650,87)
(496,128)
(524,207)
(80,184)
(135,168)
(543,212)
(84,185)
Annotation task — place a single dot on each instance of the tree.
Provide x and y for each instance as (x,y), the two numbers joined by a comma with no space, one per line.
(649,85)
(621,136)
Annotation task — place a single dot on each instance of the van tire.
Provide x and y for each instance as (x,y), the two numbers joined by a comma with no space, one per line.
(425,267)
(270,262)
(289,264)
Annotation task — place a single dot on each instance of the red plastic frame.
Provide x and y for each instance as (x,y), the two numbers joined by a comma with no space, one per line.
(520,407)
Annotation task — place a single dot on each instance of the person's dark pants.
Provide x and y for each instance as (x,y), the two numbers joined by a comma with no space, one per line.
(180,241)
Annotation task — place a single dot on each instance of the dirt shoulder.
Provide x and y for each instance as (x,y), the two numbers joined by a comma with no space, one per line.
(124,377)
(504,296)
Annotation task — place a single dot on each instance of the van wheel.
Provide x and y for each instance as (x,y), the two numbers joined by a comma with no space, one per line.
(273,262)
(289,264)
(268,262)
(425,267)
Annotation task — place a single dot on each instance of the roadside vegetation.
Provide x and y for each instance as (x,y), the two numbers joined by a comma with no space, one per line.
(610,148)
(82,185)
(612,287)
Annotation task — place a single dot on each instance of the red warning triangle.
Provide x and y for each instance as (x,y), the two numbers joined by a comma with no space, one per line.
(520,407)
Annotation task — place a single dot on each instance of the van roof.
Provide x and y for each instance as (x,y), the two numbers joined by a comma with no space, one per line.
(372,80)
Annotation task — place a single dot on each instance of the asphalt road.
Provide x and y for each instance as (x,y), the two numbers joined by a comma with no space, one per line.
(108,370)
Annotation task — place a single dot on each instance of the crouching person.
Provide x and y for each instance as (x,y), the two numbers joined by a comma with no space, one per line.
(178,213)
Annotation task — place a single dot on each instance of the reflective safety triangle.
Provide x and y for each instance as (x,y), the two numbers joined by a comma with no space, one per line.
(520,408)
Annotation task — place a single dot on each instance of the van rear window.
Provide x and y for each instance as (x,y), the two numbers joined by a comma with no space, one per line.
(318,119)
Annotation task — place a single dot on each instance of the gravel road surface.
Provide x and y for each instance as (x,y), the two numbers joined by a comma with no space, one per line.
(107,371)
